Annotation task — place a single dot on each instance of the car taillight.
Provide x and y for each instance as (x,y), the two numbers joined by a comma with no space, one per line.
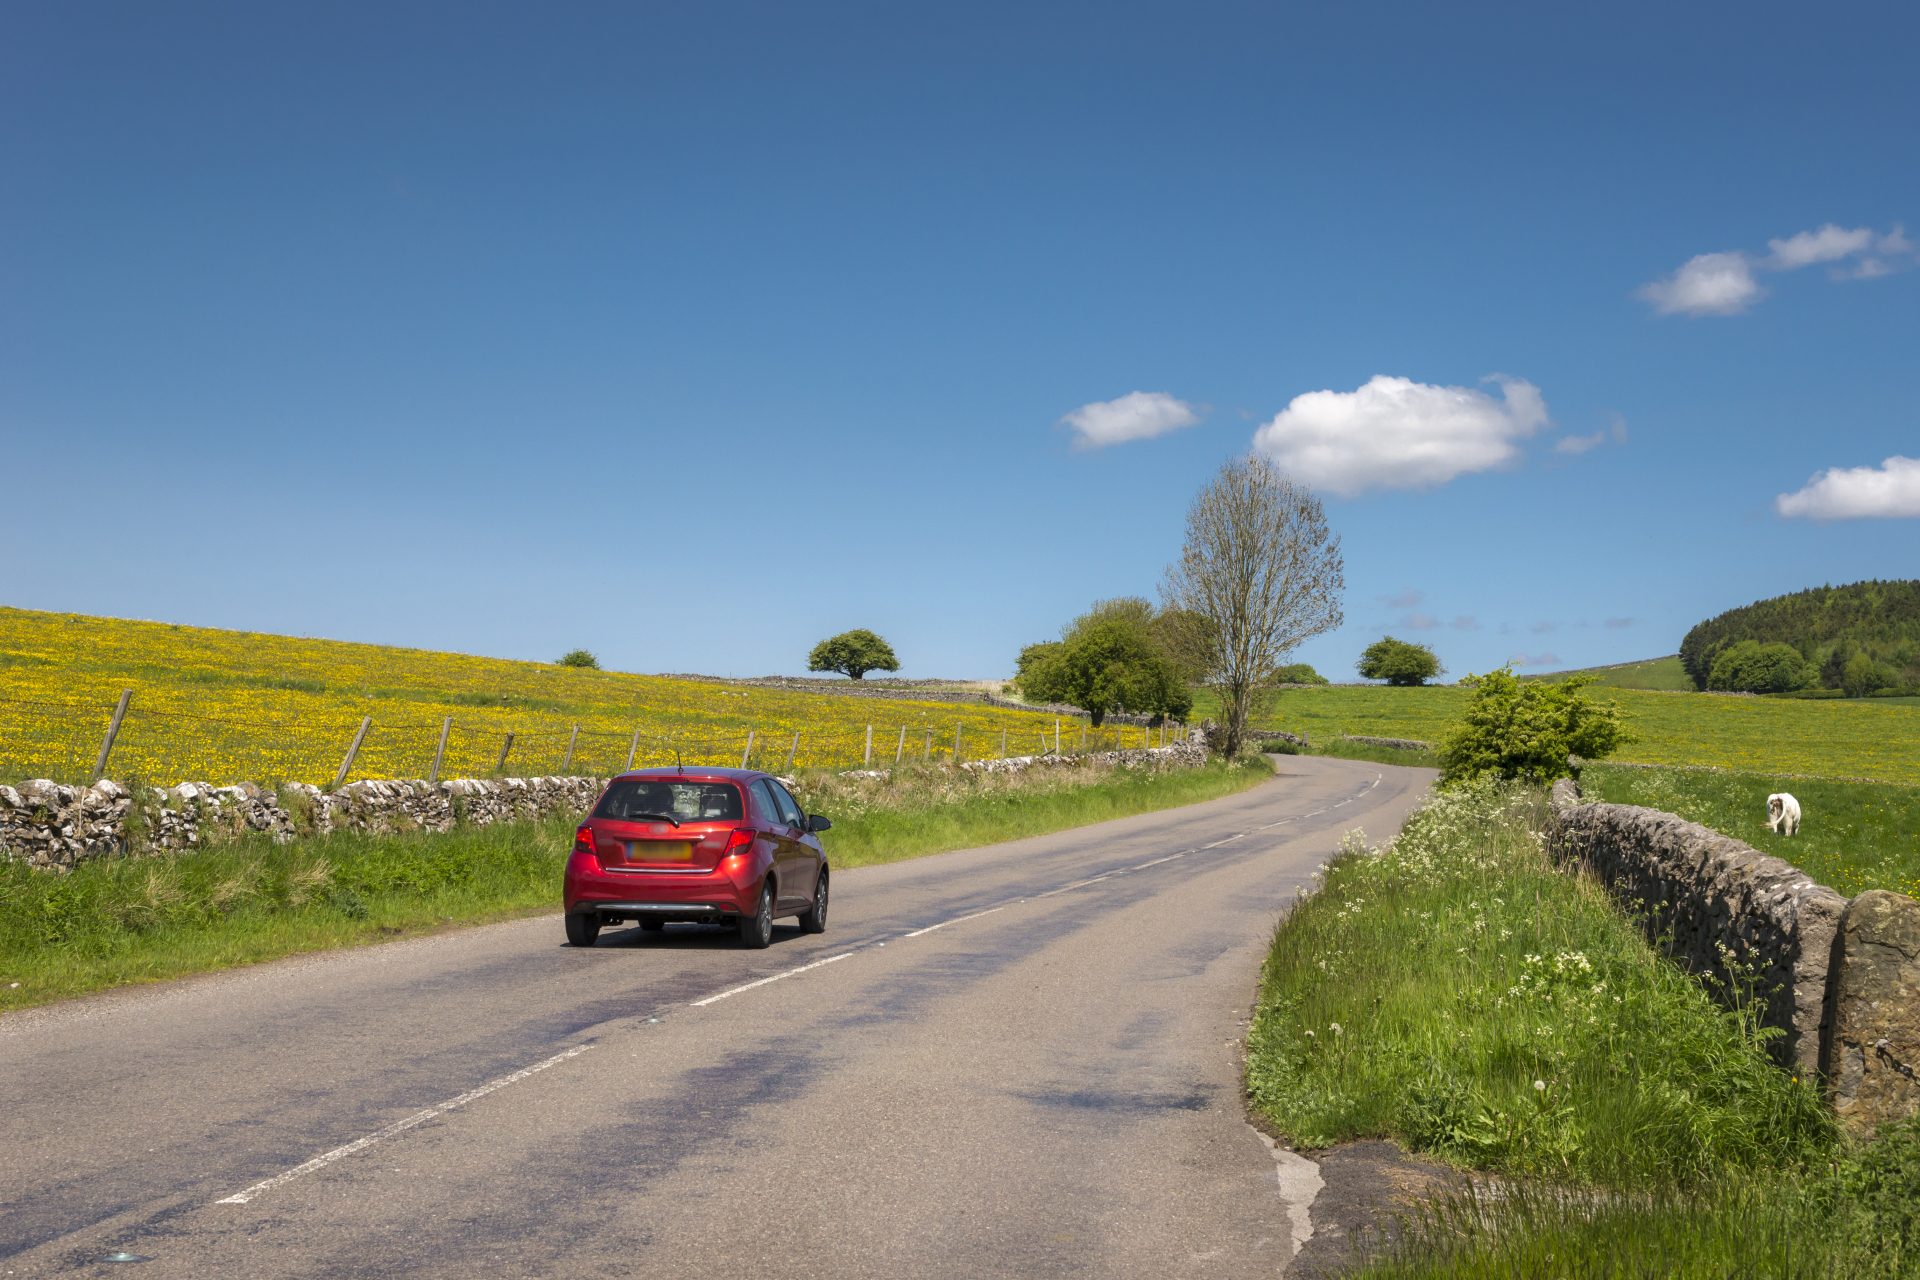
(739,841)
(583,841)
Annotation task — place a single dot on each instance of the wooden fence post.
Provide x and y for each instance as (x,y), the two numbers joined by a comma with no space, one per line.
(113,731)
(748,753)
(346,766)
(901,749)
(866,759)
(1083,736)
(1056,735)
(568,762)
(440,752)
(500,765)
(1003,743)
(633,749)
(928,753)
(956,742)
(793,749)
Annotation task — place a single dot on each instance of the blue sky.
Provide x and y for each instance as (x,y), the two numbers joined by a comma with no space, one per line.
(691,334)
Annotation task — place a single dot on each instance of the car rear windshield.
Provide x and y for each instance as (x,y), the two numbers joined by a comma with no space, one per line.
(636,799)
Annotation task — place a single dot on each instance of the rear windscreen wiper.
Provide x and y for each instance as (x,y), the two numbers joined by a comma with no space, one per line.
(651,817)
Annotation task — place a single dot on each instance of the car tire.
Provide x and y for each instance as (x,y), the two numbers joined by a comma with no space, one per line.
(582,928)
(652,926)
(756,930)
(814,919)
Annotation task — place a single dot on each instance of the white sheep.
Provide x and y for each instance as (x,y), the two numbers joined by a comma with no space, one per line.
(1783,814)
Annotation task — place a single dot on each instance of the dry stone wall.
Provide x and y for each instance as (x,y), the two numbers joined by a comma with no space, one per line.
(53,827)
(1839,979)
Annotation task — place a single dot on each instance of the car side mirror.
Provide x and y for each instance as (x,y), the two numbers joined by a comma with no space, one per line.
(817,823)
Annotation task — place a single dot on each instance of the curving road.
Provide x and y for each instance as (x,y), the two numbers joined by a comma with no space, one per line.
(1019,1060)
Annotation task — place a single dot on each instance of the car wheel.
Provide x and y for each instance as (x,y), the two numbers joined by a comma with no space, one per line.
(756,930)
(582,928)
(814,919)
(652,926)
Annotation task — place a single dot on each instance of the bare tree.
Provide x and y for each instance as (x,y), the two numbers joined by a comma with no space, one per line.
(1260,572)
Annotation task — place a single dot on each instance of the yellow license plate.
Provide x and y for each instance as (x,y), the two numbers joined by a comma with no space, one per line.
(659,851)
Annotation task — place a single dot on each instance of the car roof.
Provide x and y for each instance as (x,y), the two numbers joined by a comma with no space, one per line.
(694,773)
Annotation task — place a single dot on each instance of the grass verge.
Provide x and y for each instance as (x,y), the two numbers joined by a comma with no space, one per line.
(118,921)
(919,812)
(1855,836)
(1459,994)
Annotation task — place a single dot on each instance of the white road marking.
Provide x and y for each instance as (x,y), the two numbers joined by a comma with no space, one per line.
(956,920)
(399,1126)
(734,991)
(1142,866)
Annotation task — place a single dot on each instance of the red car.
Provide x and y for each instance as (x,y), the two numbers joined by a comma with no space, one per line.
(723,846)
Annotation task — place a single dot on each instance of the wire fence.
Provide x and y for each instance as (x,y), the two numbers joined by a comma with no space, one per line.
(78,741)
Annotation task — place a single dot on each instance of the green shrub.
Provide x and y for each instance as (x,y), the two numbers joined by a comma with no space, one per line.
(581,658)
(1299,673)
(1752,667)
(1528,730)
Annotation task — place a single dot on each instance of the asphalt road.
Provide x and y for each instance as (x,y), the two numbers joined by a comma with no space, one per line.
(1021,1060)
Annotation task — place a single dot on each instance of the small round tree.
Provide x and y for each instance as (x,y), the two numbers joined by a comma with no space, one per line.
(853,654)
(1398,662)
(580,658)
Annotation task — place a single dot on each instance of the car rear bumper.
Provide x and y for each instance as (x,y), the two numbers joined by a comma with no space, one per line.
(627,895)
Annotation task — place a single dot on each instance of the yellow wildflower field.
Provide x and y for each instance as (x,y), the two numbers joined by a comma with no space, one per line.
(229,706)
(1866,738)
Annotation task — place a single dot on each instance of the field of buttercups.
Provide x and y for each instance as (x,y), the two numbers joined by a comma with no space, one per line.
(227,706)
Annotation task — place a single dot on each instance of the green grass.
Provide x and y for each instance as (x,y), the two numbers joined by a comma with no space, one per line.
(1853,738)
(1348,749)
(1854,835)
(119,921)
(1662,674)
(1457,993)
(1461,995)
(930,812)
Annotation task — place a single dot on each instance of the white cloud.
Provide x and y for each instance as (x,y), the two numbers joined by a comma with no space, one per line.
(1710,284)
(1615,430)
(1420,622)
(1618,624)
(1394,433)
(1140,415)
(1465,622)
(1852,493)
(1542,628)
(1828,244)
(1535,660)
(1723,284)
(1405,600)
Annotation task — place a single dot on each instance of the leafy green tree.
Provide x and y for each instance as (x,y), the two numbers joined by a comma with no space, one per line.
(580,658)
(1528,729)
(1398,662)
(1299,673)
(853,653)
(1833,667)
(1111,659)
(1863,676)
(1750,667)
